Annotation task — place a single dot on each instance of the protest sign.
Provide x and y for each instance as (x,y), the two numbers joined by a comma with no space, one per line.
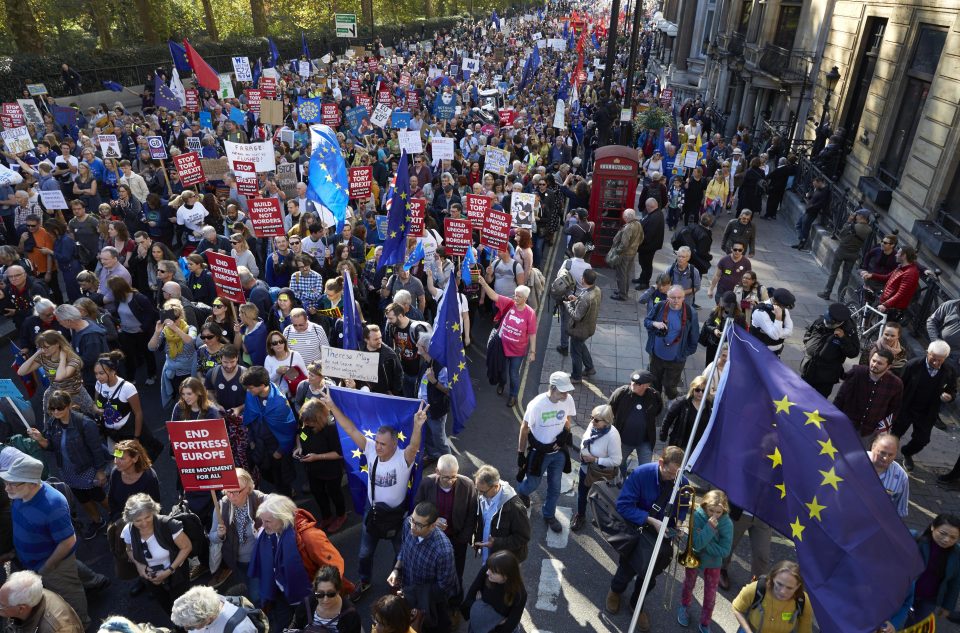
(260,154)
(330,114)
(400,120)
(410,141)
(158,151)
(268,85)
(215,168)
(9,176)
(558,116)
(271,110)
(109,146)
(418,215)
(287,175)
(471,65)
(507,117)
(537,36)
(193,144)
(345,363)
(359,120)
(404,80)
(690,158)
(254,97)
(237,116)
(381,114)
(266,217)
(476,208)
(384,96)
(226,87)
(192,100)
(287,136)
(223,269)
(442,148)
(382,226)
(445,105)
(496,230)
(355,86)
(17,140)
(241,68)
(497,160)
(13,116)
(201,449)
(413,99)
(31,113)
(367,102)
(303,68)
(246,174)
(372,64)
(521,208)
(53,199)
(457,235)
(190,169)
(361,179)
(35,90)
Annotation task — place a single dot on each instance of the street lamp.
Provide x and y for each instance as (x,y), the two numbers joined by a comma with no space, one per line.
(832,78)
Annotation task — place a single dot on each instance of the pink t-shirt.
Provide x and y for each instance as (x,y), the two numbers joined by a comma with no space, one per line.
(516,327)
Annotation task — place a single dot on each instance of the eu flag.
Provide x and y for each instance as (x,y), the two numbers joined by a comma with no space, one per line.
(308,110)
(398,205)
(303,45)
(447,347)
(163,96)
(495,19)
(328,183)
(257,71)
(274,53)
(18,361)
(352,325)
(179,55)
(416,255)
(370,411)
(784,453)
(113,85)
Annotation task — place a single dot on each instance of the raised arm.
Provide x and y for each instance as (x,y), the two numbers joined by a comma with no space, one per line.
(359,438)
(410,452)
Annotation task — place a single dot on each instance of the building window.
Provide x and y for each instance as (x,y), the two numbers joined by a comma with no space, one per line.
(707,26)
(787,24)
(756,22)
(866,66)
(745,17)
(923,66)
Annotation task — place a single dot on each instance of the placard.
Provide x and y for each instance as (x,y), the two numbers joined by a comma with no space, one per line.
(109,146)
(521,208)
(13,116)
(223,269)
(496,230)
(476,208)
(271,111)
(330,115)
(194,144)
(246,175)
(215,168)
(457,236)
(471,65)
(201,449)
(690,158)
(158,150)
(410,141)
(507,117)
(31,113)
(413,99)
(382,226)
(497,160)
(254,97)
(17,140)
(241,68)
(286,175)
(190,169)
(53,199)
(268,85)
(365,101)
(303,68)
(266,217)
(35,90)
(400,120)
(418,215)
(442,148)
(260,154)
(381,115)
(9,390)
(361,181)
(226,87)
(192,100)
(346,363)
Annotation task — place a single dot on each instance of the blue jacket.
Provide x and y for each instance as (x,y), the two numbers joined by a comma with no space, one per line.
(268,566)
(83,444)
(688,336)
(274,411)
(712,546)
(640,492)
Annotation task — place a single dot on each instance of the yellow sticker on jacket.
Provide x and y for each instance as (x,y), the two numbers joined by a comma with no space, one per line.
(303,436)
(786,616)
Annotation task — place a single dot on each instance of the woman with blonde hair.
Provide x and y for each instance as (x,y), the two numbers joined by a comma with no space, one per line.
(600,456)
(782,601)
(62,367)
(682,414)
(133,473)
(176,336)
(712,542)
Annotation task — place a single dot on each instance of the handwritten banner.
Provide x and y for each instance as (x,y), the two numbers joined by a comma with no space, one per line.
(345,363)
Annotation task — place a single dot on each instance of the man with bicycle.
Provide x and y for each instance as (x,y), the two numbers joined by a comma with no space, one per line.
(899,285)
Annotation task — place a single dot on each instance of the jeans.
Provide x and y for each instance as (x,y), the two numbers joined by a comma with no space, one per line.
(368,547)
(624,270)
(644,456)
(409,384)
(580,357)
(666,375)
(804,224)
(435,437)
(835,265)
(553,467)
(513,369)
(564,323)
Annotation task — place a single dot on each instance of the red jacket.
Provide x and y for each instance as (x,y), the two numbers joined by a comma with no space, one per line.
(900,286)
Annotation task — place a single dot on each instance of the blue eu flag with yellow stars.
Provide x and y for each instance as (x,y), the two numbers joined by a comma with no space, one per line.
(398,217)
(784,453)
(327,182)
(308,110)
(447,347)
(369,411)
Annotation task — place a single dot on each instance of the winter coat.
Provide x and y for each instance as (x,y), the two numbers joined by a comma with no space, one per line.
(852,237)
(711,545)
(510,525)
(653,231)
(584,313)
(824,353)
(678,423)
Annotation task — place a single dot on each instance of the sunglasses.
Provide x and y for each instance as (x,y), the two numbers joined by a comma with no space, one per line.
(698,390)
(737,250)
(55,409)
(294,242)
(326,594)
(276,342)
(208,337)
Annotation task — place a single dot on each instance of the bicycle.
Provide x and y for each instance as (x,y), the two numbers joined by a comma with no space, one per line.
(868,320)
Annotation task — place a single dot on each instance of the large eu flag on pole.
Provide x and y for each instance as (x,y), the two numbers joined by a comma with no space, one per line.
(398,222)
(447,347)
(352,325)
(327,182)
(369,411)
(784,453)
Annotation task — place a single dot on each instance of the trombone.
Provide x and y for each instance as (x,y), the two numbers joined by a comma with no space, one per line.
(685,557)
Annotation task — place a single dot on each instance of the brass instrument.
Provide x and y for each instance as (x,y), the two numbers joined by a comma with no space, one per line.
(686,557)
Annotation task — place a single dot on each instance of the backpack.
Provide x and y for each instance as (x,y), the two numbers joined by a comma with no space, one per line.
(564,285)
(245,610)
(761,591)
(192,527)
(496,265)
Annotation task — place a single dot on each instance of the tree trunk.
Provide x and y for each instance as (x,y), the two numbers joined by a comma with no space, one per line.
(147,22)
(258,12)
(366,7)
(101,24)
(428,8)
(22,25)
(210,20)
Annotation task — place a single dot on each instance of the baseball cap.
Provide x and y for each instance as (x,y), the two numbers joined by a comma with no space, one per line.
(641,377)
(560,380)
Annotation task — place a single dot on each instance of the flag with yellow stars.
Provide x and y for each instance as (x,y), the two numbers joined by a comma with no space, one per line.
(369,411)
(446,347)
(784,453)
(398,217)
(327,182)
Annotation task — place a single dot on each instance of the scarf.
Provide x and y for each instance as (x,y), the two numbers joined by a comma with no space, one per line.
(240,520)
(595,434)
(174,342)
(278,559)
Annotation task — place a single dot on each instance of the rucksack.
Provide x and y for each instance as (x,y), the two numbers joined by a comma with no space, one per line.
(496,265)
(564,285)
(192,527)
(761,591)
(245,610)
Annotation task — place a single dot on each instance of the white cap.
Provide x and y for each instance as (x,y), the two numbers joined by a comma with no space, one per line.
(561,381)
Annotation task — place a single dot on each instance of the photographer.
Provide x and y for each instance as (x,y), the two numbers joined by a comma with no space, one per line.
(827,343)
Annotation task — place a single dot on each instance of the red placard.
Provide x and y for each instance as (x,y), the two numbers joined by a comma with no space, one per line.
(361,179)
(366,101)
(666,97)
(253,99)
(192,100)
(190,169)
(266,217)
(330,114)
(496,230)
(269,87)
(507,117)
(457,236)
(14,114)
(384,96)
(355,86)
(477,207)
(418,213)
(202,451)
(246,173)
(404,79)
(372,64)
(223,269)
(413,99)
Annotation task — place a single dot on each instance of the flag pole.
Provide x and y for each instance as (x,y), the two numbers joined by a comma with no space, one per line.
(676,488)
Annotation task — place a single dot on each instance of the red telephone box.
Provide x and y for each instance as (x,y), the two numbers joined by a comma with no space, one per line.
(614,189)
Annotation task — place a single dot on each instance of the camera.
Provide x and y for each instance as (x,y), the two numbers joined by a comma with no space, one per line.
(168,314)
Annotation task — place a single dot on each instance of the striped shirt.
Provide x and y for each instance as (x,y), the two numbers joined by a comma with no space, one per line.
(307,343)
(897,484)
(40,525)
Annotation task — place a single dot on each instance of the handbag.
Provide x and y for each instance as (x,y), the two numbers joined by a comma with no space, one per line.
(382,521)
(597,473)
(293,383)
(620,534)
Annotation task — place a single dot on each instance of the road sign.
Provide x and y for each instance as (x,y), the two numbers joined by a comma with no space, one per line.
(346,24)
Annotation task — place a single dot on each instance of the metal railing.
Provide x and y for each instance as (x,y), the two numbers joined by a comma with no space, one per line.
(732,43)
(842,200)
(787,66)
